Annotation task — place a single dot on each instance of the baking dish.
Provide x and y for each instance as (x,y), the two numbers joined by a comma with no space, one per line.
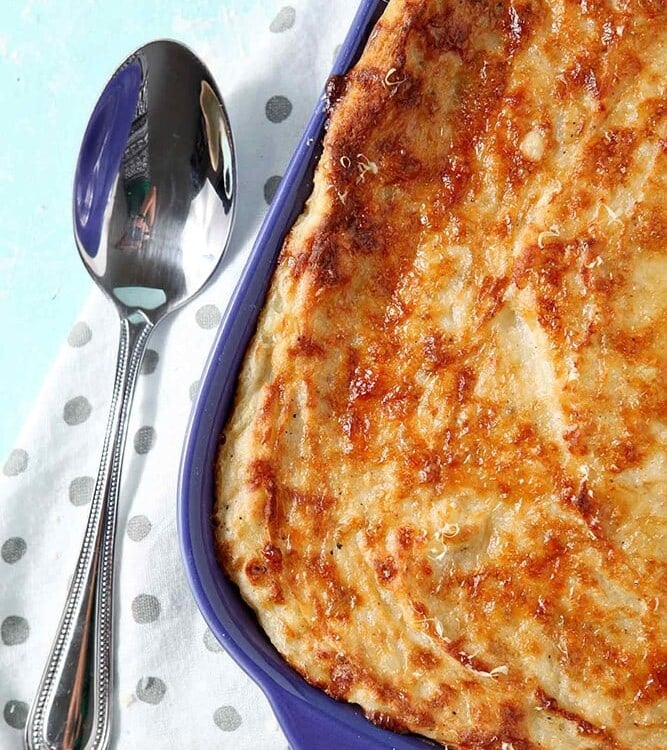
(310,719)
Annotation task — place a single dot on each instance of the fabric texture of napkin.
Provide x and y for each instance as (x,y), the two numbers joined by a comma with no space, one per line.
(174,685)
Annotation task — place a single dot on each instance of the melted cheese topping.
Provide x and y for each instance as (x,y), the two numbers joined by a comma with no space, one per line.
(442,487)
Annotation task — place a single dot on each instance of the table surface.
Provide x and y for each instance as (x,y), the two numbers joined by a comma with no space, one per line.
(271,61)
(54,61)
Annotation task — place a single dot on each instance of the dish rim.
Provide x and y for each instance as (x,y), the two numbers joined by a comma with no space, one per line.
(307,715)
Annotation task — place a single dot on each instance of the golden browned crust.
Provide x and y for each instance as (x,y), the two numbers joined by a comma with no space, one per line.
(442,486)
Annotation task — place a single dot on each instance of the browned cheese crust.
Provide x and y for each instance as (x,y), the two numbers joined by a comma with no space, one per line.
(442,486)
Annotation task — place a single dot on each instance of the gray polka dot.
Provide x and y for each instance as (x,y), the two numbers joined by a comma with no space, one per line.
(81,490)
(270,187)
(284,20)
(14,630)
(80,334)
(144,439)
(149,363)
(77,410)
(211,642)
(13,549)
(278,108)
(193,389)
(138,528)
(227,718)
(336,52)
(208,316)
(151,690)
(16,463)
(145,608)
(16,714)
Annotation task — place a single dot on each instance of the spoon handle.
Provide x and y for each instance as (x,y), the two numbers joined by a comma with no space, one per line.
(72,707)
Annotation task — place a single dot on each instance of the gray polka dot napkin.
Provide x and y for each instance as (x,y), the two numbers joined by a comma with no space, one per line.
(174,685)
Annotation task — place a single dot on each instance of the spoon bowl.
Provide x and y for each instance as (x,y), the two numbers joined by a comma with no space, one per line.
(154,199)
(155,182)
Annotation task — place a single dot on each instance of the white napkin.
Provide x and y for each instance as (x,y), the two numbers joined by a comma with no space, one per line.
(175,687)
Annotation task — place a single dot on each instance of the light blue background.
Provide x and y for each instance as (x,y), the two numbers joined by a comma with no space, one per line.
(55,57)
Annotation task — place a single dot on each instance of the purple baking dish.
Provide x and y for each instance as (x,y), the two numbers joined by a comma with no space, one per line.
(310,719)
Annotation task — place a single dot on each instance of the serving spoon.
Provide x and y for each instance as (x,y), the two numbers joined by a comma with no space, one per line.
(154,198)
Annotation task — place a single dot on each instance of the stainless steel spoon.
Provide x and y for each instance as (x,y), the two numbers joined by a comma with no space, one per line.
(154,197)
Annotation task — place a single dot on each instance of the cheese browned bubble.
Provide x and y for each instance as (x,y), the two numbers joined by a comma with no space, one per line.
(442,486)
